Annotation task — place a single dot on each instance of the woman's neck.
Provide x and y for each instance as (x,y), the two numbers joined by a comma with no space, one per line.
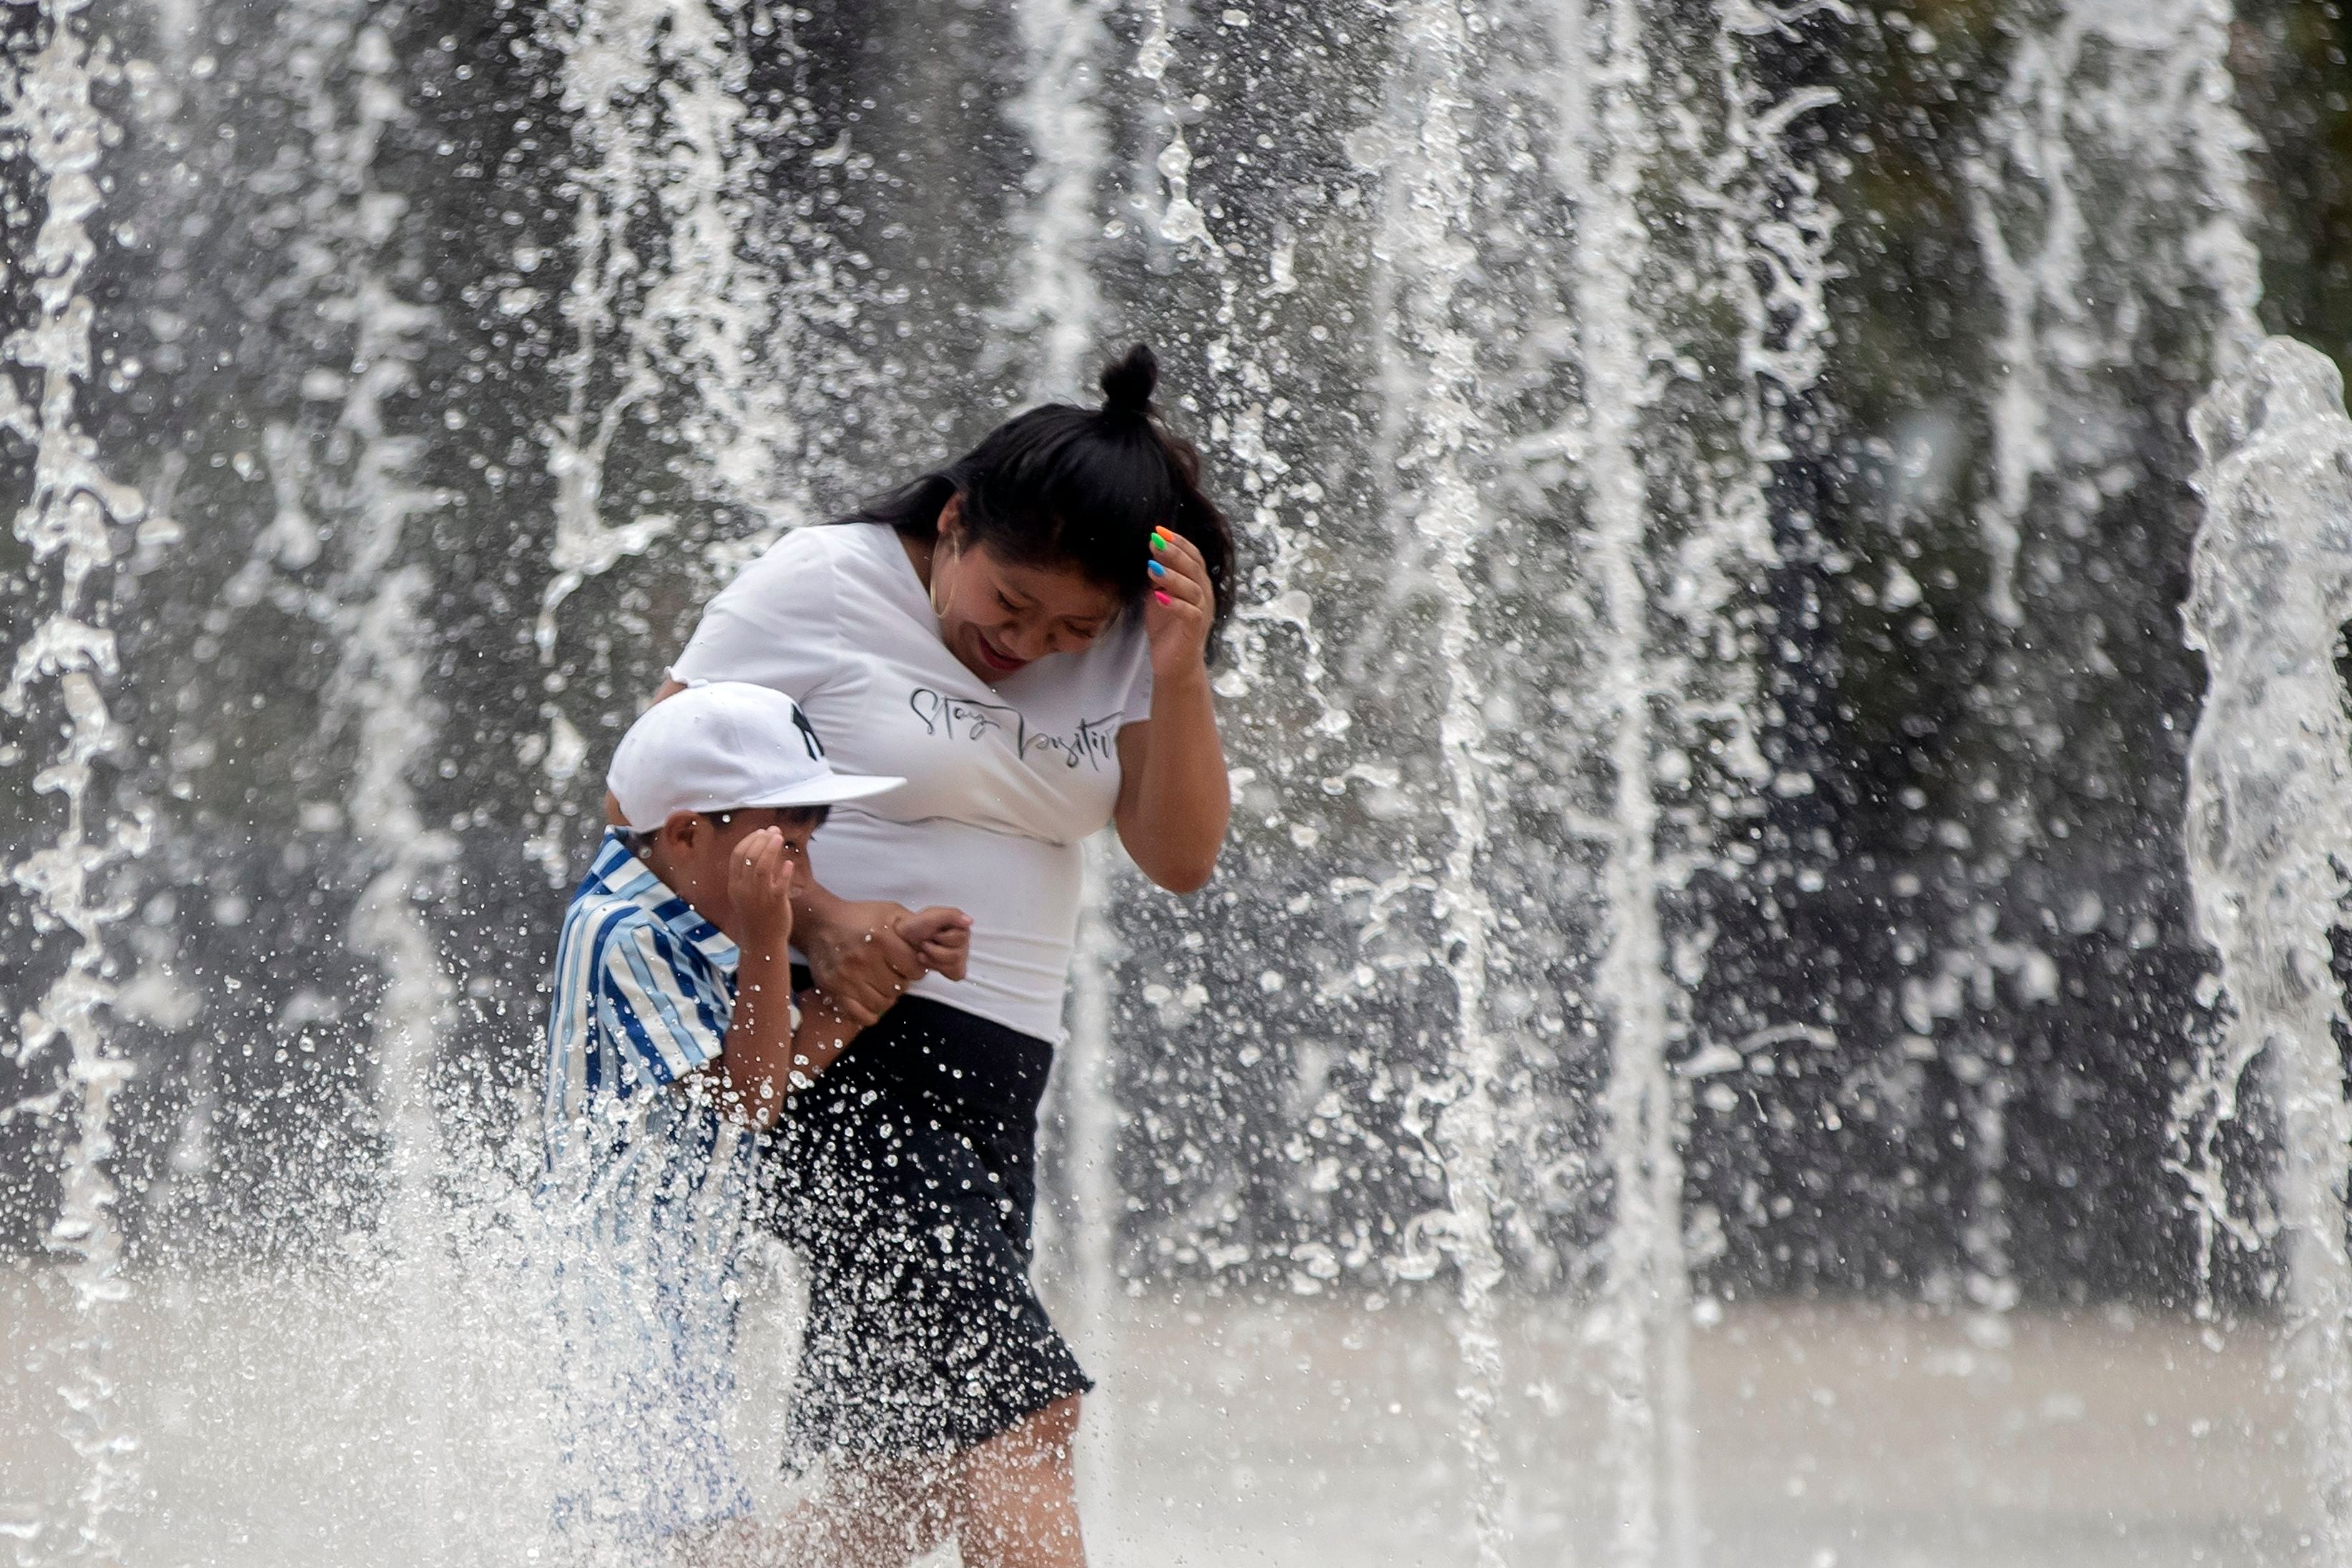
(918,554)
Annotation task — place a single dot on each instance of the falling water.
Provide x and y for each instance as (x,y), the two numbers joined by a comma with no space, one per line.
(46,116)
(2048,343)
(1086,1117)
(2225,256)
(613,57)
(1055,298)
(2270,806)
(378,696)
(1647,1292)
(1428,239)
(2106,84)
(2113,118)
(2038,103)
(669,329)
(1177,221)
(1680,626)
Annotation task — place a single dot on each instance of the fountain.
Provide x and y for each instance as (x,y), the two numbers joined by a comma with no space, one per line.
(2267,801)
(1705,972)
(71,515)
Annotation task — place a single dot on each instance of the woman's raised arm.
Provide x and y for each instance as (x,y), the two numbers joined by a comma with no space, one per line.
(1174,801)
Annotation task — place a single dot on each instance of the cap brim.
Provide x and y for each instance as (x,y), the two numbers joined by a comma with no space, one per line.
(830,790)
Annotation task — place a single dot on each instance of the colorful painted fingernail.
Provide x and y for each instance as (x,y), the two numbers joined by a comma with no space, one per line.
(1157,570)
(1162,596)
(1158,541)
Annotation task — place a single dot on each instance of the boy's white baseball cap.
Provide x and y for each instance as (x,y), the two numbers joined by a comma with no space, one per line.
(726,745)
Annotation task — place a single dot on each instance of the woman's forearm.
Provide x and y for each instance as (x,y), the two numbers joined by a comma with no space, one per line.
(817,913)
(860,959)
(1177,803)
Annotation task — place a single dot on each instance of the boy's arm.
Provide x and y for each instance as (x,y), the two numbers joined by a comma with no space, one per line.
(825,1032)
(757,1054)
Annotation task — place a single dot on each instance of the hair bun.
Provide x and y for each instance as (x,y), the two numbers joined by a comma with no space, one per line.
(1128,381)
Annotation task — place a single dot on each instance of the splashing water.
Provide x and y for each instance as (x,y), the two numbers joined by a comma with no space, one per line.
(379,694)
(2081,99)
(613,56)
(1515,335)
(2098,97)
(1647,1292)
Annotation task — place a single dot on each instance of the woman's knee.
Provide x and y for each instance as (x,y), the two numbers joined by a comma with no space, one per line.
(1058,1422)
(1041,1439)
(1019,1498)
(886,1511)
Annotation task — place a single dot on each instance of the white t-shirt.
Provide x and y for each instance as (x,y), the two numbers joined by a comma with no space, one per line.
(1002,781)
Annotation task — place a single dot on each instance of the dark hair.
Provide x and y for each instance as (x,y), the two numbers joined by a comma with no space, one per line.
(1060,485)
(809,817)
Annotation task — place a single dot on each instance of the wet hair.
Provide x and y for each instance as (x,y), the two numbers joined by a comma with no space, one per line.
(1063,486)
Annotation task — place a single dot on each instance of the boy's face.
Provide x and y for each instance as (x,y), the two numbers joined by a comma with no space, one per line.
(693,850)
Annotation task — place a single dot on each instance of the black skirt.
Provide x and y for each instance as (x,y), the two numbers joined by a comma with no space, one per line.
(904,1178)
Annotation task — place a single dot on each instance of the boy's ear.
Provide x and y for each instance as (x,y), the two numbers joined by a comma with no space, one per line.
(682,829)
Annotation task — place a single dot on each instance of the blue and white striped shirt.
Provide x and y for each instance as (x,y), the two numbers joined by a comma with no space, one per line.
(648,1195)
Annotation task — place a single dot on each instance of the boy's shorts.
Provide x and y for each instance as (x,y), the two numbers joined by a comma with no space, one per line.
(647,1335)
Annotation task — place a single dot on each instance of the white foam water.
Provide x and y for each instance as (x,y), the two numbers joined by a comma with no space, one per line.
(1054,304)
(2270,808)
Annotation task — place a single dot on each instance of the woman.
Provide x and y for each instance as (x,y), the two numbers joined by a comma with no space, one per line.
(1023,635)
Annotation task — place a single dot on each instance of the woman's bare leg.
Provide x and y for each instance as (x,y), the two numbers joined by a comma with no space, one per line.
(880,1515)
(1018,1501)
(1011,1502)
(737,1543)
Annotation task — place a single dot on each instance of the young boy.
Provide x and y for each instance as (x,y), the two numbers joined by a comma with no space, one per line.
(672,1041)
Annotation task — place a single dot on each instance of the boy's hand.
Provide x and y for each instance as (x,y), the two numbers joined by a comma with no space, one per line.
(759,881)
(943,937)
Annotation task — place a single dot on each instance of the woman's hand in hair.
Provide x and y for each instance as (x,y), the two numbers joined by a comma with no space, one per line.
(1173,797)
(1182,607)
